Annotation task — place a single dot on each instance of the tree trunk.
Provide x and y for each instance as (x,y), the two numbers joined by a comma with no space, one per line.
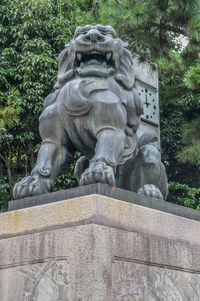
(32,155)
(7,163)
(9,170)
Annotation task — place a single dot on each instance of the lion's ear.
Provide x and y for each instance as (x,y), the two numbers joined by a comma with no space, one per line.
(65,70)
(125,70)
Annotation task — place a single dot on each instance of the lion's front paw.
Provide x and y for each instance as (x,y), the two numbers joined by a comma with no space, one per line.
(98,172)
(28,186)
(151,191)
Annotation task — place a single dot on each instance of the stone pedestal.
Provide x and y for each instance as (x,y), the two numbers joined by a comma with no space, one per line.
(96,248)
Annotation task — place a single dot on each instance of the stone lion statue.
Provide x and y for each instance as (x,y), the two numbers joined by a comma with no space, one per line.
(96,110)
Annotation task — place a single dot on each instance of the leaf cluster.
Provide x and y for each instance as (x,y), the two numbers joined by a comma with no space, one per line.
(184,195)
(152,27)
(33,33)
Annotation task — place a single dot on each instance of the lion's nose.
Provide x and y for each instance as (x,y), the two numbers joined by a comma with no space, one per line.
(94,35)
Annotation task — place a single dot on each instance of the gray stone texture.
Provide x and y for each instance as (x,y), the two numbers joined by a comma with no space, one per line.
(95,248)
(105,190)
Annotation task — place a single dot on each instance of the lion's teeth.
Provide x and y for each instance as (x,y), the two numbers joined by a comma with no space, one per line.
(79,56)
(108,56)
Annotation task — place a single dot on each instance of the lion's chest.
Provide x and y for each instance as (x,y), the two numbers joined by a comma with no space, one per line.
(81,96)
(89,108)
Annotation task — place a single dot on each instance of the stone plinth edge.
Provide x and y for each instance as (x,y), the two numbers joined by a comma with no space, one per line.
(105,190)
(100,210)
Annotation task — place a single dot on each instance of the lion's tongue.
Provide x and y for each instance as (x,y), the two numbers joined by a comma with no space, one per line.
(95,62)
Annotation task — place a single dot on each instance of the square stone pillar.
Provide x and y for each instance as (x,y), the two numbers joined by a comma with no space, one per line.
(96,248)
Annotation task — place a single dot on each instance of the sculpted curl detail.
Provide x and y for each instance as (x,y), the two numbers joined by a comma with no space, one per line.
(95,109)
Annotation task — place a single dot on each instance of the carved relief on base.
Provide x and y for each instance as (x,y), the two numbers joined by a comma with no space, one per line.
(142,282)
(44,281)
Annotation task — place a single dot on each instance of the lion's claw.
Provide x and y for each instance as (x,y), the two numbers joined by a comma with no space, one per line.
(98,172)
(150,191)
(28,186)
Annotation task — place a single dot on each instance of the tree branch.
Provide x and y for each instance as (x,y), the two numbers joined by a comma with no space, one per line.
(9,153)
(169,27)
(119,2)
(3,159)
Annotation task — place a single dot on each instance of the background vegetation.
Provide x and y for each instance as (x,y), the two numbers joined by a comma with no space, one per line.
(33,33)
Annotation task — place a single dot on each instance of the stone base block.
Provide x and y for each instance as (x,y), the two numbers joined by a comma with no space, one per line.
(95,248)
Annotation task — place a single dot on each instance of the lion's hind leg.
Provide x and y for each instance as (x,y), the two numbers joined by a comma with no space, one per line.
(153,179)
(145,174)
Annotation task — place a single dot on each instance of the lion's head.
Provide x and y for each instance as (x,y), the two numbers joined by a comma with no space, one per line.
(95,51)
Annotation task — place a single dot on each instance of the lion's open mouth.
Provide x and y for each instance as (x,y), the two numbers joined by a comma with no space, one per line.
(94,63)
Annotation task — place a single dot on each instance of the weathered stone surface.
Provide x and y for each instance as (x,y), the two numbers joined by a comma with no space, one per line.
(99,210)
(46,281)
(140,281)
(105,190)
(145,73)
(95,248)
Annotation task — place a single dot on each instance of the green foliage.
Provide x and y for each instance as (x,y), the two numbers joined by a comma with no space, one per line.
(4,193)
(180,138)
(33,33)
(184,195)
(190,154)
(193,76)
(152,27)
(68,180)
(171,72)
(191,139)
(9,113)
(180,100)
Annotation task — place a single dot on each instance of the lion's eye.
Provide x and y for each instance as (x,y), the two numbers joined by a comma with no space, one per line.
(108,34)
(81,33)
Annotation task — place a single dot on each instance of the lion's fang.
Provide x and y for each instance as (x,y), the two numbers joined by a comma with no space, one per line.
(79,56)
(108,56)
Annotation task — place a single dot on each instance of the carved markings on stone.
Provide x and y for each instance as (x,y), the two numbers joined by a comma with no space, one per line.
(45,281)
(139,282)
(149,97)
